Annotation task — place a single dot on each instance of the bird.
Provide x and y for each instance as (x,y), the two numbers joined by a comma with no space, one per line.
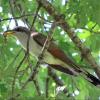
(53,56)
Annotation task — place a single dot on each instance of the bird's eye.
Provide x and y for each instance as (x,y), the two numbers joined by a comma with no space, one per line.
(17,29)
(21,29)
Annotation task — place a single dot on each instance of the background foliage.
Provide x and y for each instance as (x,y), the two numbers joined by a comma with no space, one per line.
(82,15)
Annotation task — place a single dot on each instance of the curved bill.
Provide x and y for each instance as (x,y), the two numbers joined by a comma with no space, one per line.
(6,33)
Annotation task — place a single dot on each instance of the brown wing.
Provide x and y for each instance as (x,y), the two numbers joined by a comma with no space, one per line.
(54,50)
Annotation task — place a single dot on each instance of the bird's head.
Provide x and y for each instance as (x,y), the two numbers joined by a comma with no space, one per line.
(21,33)
(18,31)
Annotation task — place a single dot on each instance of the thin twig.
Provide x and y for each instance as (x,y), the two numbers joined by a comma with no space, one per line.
(37,86)
(5,19)
(93,26)
(36,14)
(21,12)
(8,25)
(25,15)
(18,67)
(12,12)
(15,58)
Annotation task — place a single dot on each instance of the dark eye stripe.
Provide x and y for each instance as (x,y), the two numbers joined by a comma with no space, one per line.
(22,29)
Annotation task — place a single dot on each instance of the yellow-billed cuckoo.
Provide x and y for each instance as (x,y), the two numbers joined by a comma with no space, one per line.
(54,56)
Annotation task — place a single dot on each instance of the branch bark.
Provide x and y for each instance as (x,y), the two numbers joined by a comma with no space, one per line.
(60,19)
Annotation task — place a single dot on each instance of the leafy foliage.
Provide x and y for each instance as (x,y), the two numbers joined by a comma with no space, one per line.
(82,15)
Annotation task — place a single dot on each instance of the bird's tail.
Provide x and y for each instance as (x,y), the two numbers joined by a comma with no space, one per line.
(76,71)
